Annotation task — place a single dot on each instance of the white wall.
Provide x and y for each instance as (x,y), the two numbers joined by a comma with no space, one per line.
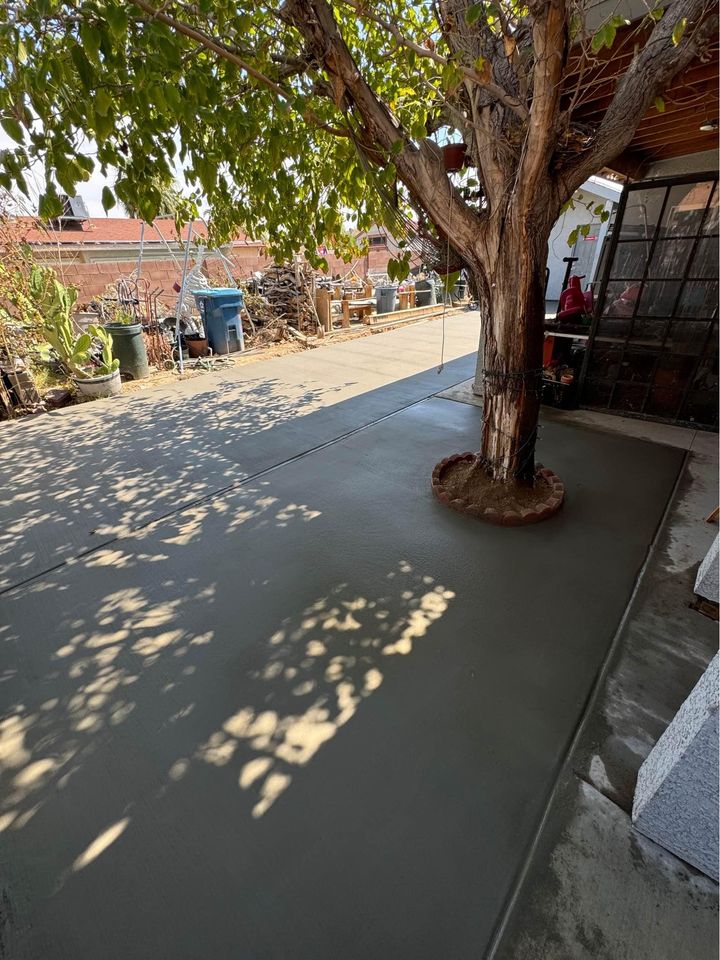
(595,191)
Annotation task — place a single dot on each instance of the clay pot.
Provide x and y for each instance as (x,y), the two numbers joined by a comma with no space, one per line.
(196,347)
(454,156)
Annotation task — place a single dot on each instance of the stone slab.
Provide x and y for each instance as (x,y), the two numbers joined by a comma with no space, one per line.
(676,798)
(706,582)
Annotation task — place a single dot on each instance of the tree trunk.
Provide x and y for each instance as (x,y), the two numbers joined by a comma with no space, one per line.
(509,370)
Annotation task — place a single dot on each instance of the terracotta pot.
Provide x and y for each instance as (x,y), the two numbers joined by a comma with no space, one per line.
(196,348)
(454,156)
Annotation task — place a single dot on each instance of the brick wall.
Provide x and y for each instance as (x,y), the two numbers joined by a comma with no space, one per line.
(92,279)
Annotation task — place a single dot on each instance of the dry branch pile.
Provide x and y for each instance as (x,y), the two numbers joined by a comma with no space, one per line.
(289,291)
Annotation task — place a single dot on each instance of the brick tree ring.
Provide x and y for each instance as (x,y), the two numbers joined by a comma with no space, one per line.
(548,503)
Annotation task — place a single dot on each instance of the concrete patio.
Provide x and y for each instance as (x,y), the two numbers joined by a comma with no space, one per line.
(263,697)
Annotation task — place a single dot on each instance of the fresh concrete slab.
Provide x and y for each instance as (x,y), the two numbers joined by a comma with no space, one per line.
(601,891)
(74,479)
(316,716)
(593,887)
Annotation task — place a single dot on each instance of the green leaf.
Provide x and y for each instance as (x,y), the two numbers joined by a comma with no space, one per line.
(13,129)
(103,102)
(450,280)
(116,19)
(657,13)
(572,239)
(22,53)
(659,104)
(472,13)
(108,199)
(83,67)
(397,147)
(678,30)
(598,40)
(49,205)
(90,37)
(585,229)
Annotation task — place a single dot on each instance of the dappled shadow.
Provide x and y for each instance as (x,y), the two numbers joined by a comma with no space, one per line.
(117,682)
(79,478)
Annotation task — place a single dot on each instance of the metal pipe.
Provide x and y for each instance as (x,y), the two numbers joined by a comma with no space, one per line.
(138,265)
(181,297)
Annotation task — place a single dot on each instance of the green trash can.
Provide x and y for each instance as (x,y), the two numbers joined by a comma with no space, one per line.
(129,347)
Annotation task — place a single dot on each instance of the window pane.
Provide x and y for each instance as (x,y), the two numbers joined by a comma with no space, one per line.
(701,404)
(664,401)
(699,299)
(705,261)
(604,362)
(649,333)
(673,371)
(642,212)
(620,299)
(630,259)
(658,298)
(629,397)
(685,208)
(614,328)
(638,366)
(670,259)
(711,220)
(687,336)
(596,394)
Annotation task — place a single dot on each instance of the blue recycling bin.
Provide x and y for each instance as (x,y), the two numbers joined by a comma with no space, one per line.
(220,312)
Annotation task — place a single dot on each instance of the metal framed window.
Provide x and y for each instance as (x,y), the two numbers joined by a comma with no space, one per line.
(653,345)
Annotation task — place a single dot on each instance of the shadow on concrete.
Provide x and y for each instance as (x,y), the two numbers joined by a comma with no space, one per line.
(77,479)
(314,717)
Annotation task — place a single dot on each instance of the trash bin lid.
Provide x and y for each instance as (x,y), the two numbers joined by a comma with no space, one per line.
(218,292)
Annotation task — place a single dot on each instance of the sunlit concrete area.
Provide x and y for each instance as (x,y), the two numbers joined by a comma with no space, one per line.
(288,705)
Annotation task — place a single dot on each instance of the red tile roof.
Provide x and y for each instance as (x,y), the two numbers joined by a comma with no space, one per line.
(114,230)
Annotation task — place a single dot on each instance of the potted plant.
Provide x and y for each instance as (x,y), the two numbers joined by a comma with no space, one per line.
(87,357)
(454,156)
(129,343)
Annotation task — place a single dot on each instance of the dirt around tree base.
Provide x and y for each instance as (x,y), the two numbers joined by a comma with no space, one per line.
(460,482)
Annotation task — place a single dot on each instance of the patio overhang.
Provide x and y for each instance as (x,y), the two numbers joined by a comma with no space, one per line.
(672,131)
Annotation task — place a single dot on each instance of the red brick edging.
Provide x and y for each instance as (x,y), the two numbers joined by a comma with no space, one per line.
(508,518)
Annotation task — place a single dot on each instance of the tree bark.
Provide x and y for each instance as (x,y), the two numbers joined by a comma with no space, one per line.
(509,369)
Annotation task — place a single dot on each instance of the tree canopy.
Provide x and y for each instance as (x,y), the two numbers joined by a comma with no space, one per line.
(288,117)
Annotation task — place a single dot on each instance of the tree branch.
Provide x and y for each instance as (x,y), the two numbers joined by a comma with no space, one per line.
(470,73)
(550,40)
(227,53)
(647,77)
(420,168)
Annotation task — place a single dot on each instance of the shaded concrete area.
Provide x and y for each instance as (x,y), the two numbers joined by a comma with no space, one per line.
(74,479)
(595,889)
(316,716)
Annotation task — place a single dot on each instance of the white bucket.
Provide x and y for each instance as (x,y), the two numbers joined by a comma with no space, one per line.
(107,386)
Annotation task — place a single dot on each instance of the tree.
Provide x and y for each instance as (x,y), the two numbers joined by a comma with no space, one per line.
(287,115)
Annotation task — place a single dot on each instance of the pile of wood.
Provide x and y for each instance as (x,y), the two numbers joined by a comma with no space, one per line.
(258,309)
(289,289)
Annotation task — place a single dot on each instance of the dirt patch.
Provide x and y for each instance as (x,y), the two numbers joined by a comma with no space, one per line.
(461,483)
(468,480)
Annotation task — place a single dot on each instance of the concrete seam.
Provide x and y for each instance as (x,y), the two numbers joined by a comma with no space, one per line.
(220,491)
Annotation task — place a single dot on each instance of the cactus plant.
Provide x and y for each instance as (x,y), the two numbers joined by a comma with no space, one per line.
(54,301)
